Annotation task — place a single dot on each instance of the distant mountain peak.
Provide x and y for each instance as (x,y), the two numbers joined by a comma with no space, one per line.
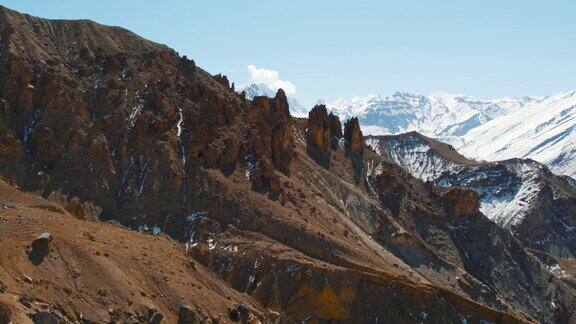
(408,97)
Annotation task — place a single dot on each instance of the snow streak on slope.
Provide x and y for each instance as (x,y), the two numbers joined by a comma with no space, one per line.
(414,156)
(507,190)
(544,131)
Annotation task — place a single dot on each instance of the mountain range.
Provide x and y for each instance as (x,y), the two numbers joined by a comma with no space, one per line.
(539,128)
(136,187)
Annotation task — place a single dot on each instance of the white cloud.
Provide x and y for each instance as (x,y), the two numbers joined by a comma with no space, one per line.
(271,79)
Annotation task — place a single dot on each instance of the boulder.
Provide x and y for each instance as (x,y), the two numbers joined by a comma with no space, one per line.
(47,317)
(41,244)
(156,318)
(234,315)
(188,315)
(244,312)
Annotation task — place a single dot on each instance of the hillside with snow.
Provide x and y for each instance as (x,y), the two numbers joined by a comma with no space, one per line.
(520,195)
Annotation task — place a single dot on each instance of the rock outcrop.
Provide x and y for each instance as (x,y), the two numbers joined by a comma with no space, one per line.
(132,116)
(460,202)
(354,146)
(318,131)
(323,132)
(353,138)
(188,315)
(272,136)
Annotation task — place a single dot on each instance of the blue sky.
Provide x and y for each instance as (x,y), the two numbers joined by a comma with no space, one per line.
(333,49)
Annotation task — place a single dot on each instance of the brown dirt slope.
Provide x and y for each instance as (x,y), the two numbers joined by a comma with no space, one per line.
(99,271)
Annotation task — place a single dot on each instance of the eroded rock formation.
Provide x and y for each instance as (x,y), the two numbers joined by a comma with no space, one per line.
(323,133)
(354,140)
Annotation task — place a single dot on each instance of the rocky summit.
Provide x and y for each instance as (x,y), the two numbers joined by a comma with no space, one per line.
(137,187)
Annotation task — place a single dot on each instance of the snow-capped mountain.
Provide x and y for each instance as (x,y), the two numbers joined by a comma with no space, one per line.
(520,195)
(439,115)
(260,89)
(543,129)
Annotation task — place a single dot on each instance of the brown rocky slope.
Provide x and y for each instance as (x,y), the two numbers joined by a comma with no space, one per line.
(114,127)
(99,272)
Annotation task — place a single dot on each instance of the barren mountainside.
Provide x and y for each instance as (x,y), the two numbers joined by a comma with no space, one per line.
(248,214)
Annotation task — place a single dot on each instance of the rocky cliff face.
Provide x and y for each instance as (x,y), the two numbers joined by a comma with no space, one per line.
(115,127)
(129,114)
(353,136)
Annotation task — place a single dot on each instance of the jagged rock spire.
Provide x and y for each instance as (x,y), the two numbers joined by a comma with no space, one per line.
(354,140)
